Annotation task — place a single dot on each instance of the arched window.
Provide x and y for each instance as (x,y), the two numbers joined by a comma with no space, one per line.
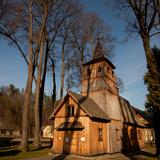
(70,110)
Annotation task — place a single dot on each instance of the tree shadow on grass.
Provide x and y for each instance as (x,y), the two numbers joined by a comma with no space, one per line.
(148,154)
(60,157)
(9,153)
(141,155)
(41,148)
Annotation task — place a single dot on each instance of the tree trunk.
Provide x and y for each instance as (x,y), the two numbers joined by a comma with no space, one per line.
(147,48)
(43,84)
(156,126)
(62,72)
(28,90)
(157,7)
(37,132)
(54,83)
(68,81)
(25,113)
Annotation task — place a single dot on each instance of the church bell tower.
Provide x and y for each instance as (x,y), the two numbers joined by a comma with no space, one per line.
(99,82)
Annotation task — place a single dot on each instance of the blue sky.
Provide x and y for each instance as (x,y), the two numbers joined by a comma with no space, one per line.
(129,59)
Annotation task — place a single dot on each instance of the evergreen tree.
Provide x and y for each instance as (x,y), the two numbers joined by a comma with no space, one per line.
(152,80)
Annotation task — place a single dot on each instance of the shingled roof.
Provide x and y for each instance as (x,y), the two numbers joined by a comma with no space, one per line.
(99,56)
(98,53)
(144,114)
(87,104)
(129,113)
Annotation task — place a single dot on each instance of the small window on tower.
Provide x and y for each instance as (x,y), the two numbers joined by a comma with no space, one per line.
(99,69)
(108,69)
(88,71)
(112,74)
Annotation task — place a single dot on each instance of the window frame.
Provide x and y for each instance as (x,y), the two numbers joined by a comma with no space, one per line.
(100,134)
(117,134)
(139,134)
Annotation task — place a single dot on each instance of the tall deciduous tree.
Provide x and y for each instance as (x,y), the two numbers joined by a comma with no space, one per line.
(16,24)
(142,18)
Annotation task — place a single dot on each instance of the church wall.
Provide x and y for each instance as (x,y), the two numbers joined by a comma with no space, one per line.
(108,102)
(141,137)
(149,136)
(98,137)
(115,136)
(72,141)
(133,138)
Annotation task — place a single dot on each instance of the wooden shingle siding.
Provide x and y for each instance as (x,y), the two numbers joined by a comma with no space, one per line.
(74,141)
(96,146)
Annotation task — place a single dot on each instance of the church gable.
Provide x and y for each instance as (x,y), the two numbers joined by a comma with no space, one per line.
(74,105)
(68,108)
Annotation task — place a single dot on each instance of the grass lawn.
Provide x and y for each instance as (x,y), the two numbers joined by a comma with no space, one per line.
(15,154)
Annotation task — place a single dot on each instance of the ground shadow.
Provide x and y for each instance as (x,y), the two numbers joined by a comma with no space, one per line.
(9,153)
(41,148)
(60,157)
(140,155)
(145,153)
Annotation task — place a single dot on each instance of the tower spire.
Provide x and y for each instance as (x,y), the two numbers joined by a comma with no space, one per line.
(98,53)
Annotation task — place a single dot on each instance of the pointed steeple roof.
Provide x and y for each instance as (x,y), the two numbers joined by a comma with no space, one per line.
(99,56)
(98,53)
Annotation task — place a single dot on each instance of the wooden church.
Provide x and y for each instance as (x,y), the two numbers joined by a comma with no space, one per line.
(98,120)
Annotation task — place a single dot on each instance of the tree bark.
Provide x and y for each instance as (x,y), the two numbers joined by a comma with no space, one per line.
(28,90)
(53,80)
(37,132)
(157,7)
(68,80)
(62,71)
(147,48)
(43,83)
(54,83)
(156,120)
(39,52)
